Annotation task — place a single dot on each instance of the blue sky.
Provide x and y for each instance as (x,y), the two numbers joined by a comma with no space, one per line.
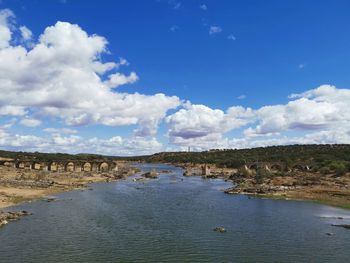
(247,56)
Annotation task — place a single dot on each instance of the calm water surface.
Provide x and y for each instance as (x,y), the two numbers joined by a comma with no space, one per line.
(171,219)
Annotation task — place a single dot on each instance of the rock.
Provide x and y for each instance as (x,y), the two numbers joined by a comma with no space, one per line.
(6,217)
(342,225)
(3,222)
(329,234)
(219,229)
(151,175)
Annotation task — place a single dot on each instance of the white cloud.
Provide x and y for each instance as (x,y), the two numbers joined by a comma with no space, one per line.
(10,110)
(201,123)
(5,23)
(118,79)
(203,7)
(214,30)
(117,145)
(62,75)
(26,33)
(319,115)
(322,108)
(241,97)
(30,122)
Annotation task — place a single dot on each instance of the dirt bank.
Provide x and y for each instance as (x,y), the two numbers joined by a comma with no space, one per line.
(18,185)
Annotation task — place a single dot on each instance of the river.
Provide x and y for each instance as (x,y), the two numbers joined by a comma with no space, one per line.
(171,219)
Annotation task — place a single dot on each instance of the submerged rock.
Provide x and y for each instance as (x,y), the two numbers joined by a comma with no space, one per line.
(219,229)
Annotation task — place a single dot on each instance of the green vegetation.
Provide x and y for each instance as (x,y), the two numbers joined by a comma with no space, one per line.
(324,158)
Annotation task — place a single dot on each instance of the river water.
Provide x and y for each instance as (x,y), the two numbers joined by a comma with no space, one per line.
(171,219)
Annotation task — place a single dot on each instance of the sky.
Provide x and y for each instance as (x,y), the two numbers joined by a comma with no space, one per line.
(134,77)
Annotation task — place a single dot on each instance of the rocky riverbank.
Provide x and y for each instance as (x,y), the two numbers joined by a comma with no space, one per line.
(326,189)
(6,217)
(329,189)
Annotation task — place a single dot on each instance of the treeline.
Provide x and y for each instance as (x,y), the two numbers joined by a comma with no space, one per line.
(324,158)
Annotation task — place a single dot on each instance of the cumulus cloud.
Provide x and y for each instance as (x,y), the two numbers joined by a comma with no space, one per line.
(320,115)
(62,75)
(199,121)
(322,108)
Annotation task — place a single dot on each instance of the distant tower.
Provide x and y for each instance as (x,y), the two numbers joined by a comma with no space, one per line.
(189,148)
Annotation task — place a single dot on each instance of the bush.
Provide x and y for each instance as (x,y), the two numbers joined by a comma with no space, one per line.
(325,170)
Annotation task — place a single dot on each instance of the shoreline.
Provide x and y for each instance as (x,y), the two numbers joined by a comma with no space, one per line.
(345,206)
(18,186)
(71,181)
(326,189)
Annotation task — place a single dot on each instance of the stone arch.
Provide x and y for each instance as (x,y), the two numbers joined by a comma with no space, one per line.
(20,165)
(69,167)
(53,166)
(35,166)
(86,167)
(7,163)
(103,167)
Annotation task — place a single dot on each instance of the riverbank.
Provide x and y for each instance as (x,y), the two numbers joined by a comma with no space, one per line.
(17,186)
(328,189)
